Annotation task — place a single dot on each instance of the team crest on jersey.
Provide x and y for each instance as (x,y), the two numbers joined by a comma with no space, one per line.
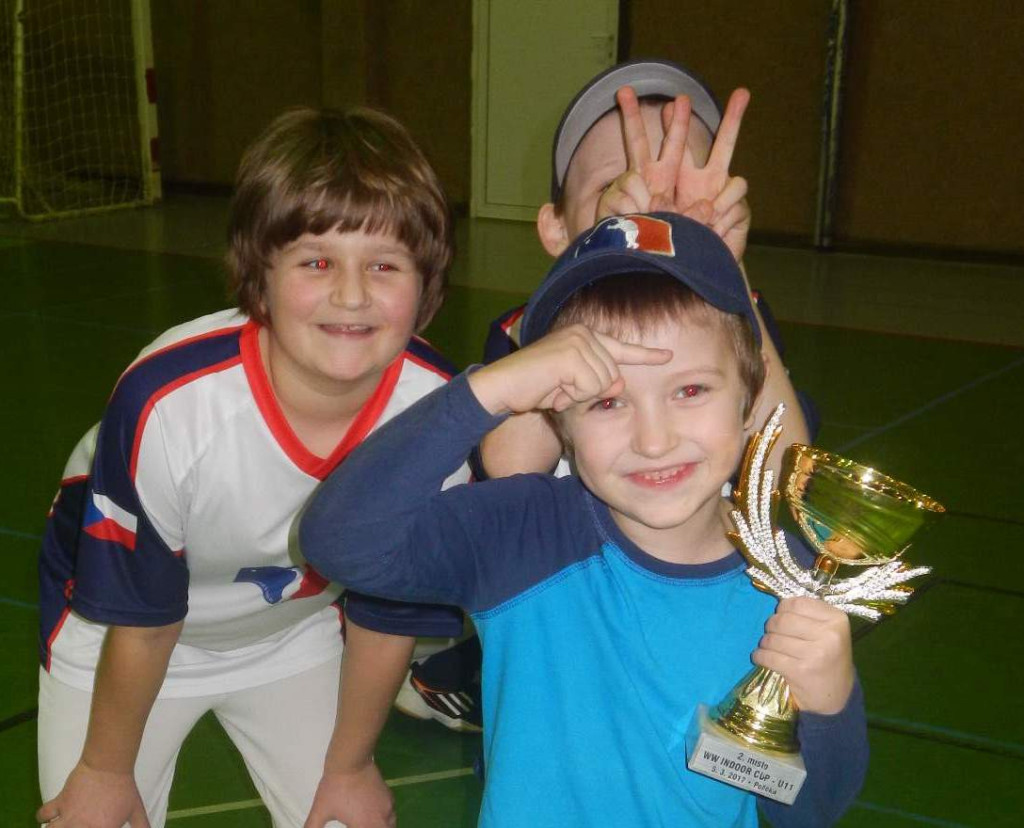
(279,583)
(107,521)
(643,233)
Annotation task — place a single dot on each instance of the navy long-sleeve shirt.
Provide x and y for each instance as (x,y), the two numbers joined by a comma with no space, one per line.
(596,654)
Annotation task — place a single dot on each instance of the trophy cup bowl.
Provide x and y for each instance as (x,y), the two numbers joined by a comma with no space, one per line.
(851,515)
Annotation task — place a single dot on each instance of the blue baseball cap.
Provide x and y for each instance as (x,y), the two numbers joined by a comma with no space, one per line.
(661,78)
(667,242)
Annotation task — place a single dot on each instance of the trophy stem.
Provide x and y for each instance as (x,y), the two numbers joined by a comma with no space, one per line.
(824,570)
(759,711)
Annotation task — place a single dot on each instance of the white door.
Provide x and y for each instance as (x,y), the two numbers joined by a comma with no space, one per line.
(530,57)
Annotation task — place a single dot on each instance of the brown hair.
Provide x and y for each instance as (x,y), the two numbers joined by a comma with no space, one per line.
(316,169)
(633,304)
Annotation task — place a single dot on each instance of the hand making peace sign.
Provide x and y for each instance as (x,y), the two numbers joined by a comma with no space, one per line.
(673,181)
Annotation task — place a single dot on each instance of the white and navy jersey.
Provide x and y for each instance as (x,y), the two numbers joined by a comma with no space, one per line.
(184,508)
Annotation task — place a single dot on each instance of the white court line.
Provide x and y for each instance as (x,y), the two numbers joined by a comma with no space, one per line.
(917,412)
(243,804)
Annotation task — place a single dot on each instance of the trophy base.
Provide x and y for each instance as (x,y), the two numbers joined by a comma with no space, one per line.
(714,752)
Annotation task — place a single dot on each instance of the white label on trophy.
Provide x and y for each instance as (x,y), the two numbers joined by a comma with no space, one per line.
(775,776)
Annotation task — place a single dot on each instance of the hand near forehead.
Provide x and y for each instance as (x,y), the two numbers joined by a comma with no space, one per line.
(673,181)
(571,365)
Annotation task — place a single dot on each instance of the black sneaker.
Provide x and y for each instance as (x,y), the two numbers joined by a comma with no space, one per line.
(456,708)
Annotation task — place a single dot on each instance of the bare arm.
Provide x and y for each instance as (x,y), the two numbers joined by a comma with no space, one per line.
(777,388)
(101,789)
(523,444)
(352,789)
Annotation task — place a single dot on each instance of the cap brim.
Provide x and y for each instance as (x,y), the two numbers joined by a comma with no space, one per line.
(548,299)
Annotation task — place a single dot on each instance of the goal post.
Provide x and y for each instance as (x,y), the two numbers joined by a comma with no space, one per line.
(78,126)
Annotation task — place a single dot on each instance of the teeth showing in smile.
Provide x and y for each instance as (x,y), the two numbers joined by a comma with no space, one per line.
(660,476)
(347,328)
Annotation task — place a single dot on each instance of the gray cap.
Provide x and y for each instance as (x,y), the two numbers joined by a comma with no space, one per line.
(647,77)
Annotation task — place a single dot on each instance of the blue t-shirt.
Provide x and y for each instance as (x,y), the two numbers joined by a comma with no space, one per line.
(596,654)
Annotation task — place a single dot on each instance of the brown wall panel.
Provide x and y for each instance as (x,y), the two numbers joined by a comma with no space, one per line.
(933,138)
(777,50)
(225,69)
(931,132)
(420,72)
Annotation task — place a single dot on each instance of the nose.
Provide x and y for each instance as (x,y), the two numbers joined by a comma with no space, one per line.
(654,434)
(350,289)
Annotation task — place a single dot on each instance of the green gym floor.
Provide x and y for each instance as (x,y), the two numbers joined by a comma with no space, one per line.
(917,366)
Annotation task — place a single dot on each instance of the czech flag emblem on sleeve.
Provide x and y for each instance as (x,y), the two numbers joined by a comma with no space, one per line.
(107,521)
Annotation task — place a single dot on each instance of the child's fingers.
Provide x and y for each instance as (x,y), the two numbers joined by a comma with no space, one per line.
(587,368)
(638,150)
(48,811)
(781,663)
(729,130)
(689,162)
(566,397)
(583,387)
(813,608)
(595,374)
(570,395)
(734,191)
(737,216)
(786,645)
(673,145)
(702,211)
(628,353)
(626,194)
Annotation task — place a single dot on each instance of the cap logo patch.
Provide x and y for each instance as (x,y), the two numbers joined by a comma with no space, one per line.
(642,233)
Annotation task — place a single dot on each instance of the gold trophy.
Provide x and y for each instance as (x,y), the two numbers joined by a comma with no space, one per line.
(853,516)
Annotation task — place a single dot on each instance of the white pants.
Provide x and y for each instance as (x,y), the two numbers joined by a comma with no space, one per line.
(282,730)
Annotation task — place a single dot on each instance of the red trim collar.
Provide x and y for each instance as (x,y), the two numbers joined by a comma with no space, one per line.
(266,400)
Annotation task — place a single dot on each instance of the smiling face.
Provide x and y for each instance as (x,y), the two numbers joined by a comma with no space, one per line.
(342,307)
(659,453)
(600,159)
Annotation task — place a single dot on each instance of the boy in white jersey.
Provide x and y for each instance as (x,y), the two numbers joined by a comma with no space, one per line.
(168,580)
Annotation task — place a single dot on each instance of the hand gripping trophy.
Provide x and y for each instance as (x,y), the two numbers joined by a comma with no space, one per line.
(852,515)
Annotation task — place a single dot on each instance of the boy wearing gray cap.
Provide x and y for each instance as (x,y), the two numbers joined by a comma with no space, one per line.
(629,143)
(609,603)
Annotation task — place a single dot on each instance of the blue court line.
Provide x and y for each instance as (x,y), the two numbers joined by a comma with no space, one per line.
(955,738)
(908,815)
(14,602)
(917,412)
(14,533)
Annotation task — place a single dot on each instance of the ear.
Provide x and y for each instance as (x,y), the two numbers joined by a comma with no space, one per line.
(551,229)
(756,402)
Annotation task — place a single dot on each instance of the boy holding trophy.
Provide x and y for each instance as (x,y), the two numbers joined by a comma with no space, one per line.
(610,604)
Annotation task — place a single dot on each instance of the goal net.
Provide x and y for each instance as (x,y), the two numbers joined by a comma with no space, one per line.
(77,106)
